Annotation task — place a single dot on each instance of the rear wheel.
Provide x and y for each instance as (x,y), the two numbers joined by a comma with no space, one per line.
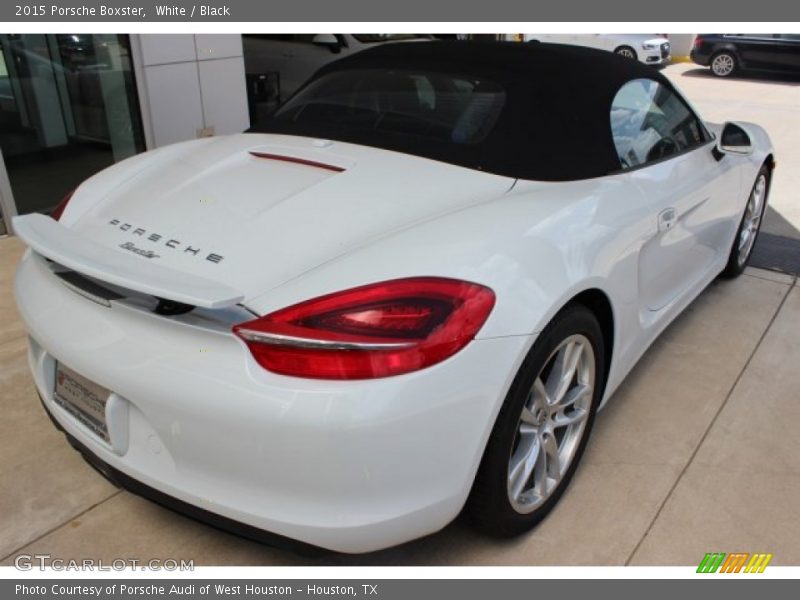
(723,64)
(626,51)
(749,226)
(542,428)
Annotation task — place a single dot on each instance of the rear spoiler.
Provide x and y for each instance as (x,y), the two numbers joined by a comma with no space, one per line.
(62,245)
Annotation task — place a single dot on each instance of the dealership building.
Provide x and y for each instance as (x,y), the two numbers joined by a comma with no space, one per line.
(71,105)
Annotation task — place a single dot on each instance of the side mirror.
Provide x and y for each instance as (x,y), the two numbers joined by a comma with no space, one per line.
(328,40)
(733,140)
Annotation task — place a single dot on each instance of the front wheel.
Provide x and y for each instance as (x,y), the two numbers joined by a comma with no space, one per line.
(542,428)
(626,51)
(749,226)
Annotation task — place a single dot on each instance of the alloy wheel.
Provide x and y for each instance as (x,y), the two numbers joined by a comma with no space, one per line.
(626,52)
(723,64)
(752,219)
(551,424)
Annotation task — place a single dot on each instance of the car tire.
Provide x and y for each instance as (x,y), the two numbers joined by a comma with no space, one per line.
(749,226)
(627,52)
(517,484)
(723,64)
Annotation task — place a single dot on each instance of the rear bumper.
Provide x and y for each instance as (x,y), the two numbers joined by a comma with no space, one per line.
(347,466)
(701,58)
(122,480)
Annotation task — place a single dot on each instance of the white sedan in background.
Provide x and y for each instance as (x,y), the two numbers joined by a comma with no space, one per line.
(653,50)
(405,294)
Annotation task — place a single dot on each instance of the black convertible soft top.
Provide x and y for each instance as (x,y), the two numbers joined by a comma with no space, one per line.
(554,124)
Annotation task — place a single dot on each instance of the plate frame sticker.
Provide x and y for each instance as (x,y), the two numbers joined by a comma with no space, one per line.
(88,398)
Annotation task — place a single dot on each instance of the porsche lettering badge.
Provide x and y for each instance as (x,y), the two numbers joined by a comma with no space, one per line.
(161,241)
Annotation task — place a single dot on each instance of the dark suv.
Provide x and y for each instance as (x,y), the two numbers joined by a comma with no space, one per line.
(728,53)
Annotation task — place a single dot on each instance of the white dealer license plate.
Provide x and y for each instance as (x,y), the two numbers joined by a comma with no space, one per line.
(83,399)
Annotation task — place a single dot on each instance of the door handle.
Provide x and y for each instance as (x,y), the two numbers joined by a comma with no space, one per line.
(667,219)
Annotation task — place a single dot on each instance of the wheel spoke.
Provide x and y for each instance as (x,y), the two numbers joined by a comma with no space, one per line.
(758,195)
(744,238)
(574,417)
(540,472)
(761,186)
(522,464)
(552,466)
(540,391)
(573,408)
(563,372)
(575,396)
(527,417)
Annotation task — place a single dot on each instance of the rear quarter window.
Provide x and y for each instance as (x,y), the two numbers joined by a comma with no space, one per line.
(445,107)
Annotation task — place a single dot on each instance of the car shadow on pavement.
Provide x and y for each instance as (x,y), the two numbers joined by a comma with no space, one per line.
(778,245)
(778,79)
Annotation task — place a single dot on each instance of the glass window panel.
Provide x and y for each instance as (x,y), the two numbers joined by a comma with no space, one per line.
(68,108)
(649,122)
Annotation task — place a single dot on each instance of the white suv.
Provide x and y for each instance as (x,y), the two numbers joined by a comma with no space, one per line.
(651,49)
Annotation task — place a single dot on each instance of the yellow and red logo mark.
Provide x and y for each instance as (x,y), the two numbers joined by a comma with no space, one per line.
(736,562)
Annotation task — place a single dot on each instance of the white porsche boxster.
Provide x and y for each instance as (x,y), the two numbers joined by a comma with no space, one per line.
(405,295)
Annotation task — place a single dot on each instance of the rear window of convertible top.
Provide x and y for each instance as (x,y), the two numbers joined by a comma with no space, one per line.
(442,107)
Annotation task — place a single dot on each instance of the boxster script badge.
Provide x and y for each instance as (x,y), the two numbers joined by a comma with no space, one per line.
(161,241)
(140,251)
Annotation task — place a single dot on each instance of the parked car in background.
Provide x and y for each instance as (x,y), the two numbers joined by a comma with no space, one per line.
(651,49)
(729,53)
(296,56)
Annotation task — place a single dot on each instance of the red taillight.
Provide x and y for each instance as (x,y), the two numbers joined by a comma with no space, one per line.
(698,41)
(377,330)
(59,210)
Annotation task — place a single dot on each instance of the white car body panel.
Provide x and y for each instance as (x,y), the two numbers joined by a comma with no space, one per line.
(350,490)
(348,465)
(646,46)
(215,197)
(535,219)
